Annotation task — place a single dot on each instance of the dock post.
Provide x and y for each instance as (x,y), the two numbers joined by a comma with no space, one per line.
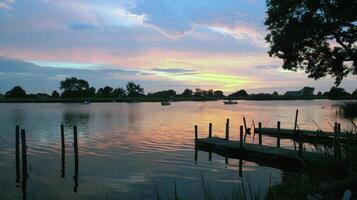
(227,130)
(17,153)
(75,145)
(196,132)
(24,164)
(240,168)
(337,140)
(278,135)
(210,130)
(260,133)
(295,127)
(241,137)
(209,156)
(196,155)
(24,153)
(63,152)
(300,142)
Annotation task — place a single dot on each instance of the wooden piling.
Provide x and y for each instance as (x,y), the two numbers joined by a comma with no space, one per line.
(241,137)
(196,132)
(63,152)
(210,130)
(278,135)
(247,130)
(260,133)
(227,129)
(75,145)
(209,156)
(300,143)
(295,126)
(24,153)
(240,168)
(196,155)
(17,152)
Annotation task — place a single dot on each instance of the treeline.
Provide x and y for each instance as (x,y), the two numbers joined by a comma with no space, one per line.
(73,88)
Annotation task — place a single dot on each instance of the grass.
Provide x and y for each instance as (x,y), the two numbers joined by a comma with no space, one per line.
(241,192)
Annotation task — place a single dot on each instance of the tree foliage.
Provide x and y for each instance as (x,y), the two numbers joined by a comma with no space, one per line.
(118,93)
(240,93)
(318,36)
(75,88)
(16,92)
(134,90)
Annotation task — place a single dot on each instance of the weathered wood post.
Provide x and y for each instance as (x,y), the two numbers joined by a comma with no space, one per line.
(75,145)
(260,133)
(196,155)
(300,142)
(17,152)
(210,130)
(240,168)
(63,152)
(227,129)
(278,135)
(241,137)
(24,153)
(295,126)
(196,133)
(24,164)
(247,131)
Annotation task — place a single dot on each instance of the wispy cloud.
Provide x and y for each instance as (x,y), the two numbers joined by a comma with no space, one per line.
(7,4)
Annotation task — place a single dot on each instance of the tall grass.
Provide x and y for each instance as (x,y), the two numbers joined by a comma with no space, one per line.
(241,192)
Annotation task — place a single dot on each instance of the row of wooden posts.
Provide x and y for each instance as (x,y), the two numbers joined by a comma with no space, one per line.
(24,155)
(242,135)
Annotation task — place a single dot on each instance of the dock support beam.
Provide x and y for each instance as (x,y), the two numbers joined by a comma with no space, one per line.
(63,152)
(260,133)
(17,152)
(196,132)
(24,164)
(278,135)
(210,130)
(227,130)
(241,137)
(300,142)
(75,145)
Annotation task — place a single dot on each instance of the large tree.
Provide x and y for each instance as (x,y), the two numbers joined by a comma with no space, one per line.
(134,90)
(16,92)
(74,88)
(318,36)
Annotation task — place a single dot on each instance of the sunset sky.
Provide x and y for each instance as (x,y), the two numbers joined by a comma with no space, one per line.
(161,44)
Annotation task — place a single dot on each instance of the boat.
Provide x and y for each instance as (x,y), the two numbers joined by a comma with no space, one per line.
(165,103)
(230,102)
(86,102)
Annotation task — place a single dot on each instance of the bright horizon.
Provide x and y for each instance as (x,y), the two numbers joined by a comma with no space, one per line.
(159,44)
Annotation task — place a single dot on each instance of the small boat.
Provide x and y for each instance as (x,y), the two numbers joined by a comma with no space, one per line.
(86,102)
(230,102)
(165,103)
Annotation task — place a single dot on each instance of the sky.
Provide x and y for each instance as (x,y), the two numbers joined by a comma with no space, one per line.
(160,44)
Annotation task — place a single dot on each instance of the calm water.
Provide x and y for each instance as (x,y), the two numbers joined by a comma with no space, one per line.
(126,150)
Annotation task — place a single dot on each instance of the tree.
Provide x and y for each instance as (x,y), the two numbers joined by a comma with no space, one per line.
(55,94)
(134,90)
(218,93)
(337,93)
(104,92)
(307,91)
(16,92)
(240,93)
(275,93)
(164,94)
(74,88)
(318,36)
(187,93)
(319,93)
(118,93)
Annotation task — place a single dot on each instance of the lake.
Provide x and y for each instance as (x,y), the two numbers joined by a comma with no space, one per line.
(132,150)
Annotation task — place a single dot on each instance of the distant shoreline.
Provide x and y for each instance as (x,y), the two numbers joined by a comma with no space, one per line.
(147,99)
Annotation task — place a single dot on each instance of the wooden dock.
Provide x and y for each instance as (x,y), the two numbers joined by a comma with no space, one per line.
(308,135)
(264,155)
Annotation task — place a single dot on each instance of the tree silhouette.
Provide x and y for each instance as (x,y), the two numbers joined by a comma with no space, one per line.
(318,36)
(134,90)
(74,88)
(16,92)
(55,94)
(118,93)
